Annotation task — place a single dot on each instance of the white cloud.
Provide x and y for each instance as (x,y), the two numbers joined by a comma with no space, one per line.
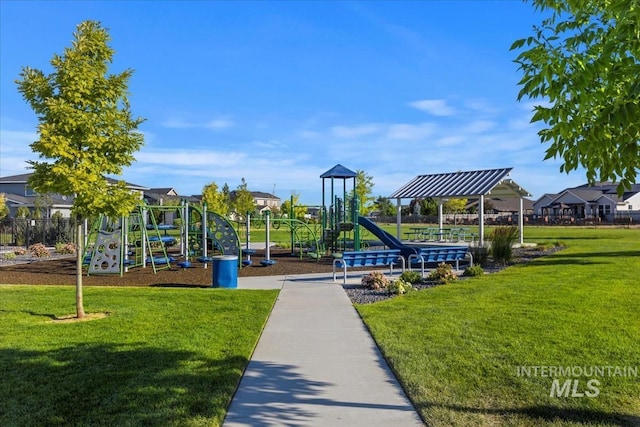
(177,124)
(308,134)
(404,131)
(436,107)
(449,141)
(220,123)
(217,123)
(15,151)
(355,131)
(481,106)
(479,126)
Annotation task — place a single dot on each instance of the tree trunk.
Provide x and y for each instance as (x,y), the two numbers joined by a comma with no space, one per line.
(79,255)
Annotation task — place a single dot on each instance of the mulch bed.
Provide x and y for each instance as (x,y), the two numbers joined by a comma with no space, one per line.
(62,271)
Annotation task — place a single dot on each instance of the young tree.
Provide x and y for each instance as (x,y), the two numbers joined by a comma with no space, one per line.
(429,206)
(85,130)
(454,206)
(226,197)
(23,212)
(4,209)
(364,189)
(243,200)
(299,212)
(214,199)
(384,206)
(584,61)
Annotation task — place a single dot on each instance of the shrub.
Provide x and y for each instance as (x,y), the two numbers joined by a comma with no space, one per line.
(443,274)
(502,240)
(39,250)
(20,251)
(9,255)
(412,277)
(399,287)
(375,280)
(473,271)
(65,248)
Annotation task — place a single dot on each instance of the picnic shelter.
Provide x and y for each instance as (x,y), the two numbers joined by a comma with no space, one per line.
(463,185)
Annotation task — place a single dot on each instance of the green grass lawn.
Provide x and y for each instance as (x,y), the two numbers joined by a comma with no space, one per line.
(458,348)
(161,357)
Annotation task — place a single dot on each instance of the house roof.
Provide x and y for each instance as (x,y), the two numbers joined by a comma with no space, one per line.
(592,193)
(491,182)
(56,200)
(511,204)
(163,191)
(23,178)
(15,179)
(262,195)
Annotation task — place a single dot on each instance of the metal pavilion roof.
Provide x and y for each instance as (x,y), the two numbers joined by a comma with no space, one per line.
(491,182)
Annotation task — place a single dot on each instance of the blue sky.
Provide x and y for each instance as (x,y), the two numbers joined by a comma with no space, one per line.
(279,92)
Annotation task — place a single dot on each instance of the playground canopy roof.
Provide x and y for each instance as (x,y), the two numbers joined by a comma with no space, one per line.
(491,182)
(339,171)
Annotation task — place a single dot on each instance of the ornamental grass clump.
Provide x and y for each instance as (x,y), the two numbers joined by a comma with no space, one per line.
(502,240)
(443,274)
(479,253)
(375,280)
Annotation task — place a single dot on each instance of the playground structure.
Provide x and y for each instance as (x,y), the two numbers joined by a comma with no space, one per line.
(159,235)
(138,240)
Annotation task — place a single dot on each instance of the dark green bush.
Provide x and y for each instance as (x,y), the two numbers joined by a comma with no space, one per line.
(413,277)
(473,271)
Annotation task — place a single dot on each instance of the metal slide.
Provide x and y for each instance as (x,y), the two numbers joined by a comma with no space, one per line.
(388,239)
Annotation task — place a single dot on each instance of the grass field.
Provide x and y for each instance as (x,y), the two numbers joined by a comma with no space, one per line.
(161,356)
(462,350)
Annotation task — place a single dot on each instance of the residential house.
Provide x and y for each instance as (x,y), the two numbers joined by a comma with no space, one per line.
(263,201)
(18,193)
(161,196)
(590,202)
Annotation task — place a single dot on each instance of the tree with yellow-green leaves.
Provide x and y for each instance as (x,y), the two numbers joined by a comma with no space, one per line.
(243,200)
(214,199)
(299,212)
(4,209)
(85,130)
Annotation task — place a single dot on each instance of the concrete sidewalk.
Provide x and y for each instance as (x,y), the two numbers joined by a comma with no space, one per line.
(316,364)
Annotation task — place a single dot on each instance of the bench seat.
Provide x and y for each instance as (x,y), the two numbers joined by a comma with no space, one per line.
(440,254)
(379,258)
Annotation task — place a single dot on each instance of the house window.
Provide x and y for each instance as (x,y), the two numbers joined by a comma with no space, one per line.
(630,207)
(28,191)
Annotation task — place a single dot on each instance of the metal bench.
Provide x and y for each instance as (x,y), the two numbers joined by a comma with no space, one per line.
(388,257)
(440,254)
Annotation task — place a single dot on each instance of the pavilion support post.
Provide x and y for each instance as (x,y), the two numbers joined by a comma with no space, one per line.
(398,218)
(440,222)
(521,220)
(481,221)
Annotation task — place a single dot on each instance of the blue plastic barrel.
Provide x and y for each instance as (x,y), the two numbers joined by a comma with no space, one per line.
(225,271)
